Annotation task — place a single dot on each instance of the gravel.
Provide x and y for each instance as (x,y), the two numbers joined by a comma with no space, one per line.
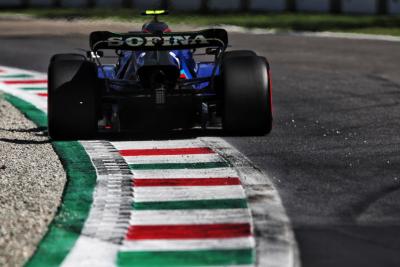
(31,185)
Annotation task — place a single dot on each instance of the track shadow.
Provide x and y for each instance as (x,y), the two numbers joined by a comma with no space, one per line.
(24,142)
(36,131)
(30,130)
(160,135)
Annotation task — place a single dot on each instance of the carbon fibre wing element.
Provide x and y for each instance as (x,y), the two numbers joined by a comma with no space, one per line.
(166,41)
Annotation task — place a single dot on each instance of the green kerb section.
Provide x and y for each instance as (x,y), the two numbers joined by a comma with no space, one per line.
(34,88)
(29,110)
(192,204)
(170,166)
(186,258)
(77,197)
(12,76)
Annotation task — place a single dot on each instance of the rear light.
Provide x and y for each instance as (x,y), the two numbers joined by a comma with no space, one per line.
(183,75)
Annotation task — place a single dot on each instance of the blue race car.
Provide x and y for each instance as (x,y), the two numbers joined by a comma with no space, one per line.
(156,83)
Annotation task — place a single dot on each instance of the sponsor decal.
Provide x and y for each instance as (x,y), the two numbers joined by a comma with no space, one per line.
(150,41)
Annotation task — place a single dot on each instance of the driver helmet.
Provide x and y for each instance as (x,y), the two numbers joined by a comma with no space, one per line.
(156,27)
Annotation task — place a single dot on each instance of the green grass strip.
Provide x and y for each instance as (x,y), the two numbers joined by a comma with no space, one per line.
(192,204)
(34,88)
(16,76)
(170,166)
(77,197)
(186,258)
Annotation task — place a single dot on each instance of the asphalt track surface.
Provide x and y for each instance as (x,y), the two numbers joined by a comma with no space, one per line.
(333,154)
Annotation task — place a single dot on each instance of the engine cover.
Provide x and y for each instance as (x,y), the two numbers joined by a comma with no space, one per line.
(158,69)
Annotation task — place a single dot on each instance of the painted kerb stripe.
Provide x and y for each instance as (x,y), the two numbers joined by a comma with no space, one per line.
(171,166)
(192,204)
(189,244)
(34,88)
(172,151)
(184,173)
(25,82)
(187,182)
(188,231)
(199,213)
(186,258)
(12,76)
(183,193)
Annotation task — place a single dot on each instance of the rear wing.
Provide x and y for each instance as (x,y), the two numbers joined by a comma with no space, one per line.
(167,41)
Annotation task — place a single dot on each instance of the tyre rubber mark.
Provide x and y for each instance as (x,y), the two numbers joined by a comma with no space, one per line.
(109,217)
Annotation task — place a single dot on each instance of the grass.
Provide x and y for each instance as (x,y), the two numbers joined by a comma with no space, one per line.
(379,24)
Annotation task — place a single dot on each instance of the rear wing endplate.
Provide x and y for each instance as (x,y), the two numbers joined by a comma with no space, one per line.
(167,41)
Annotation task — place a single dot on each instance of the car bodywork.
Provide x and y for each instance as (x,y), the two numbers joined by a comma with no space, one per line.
(156,82)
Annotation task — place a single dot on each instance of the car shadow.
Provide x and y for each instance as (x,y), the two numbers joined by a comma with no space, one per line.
(125,136)
(29,130)
(36,131)
(24,142)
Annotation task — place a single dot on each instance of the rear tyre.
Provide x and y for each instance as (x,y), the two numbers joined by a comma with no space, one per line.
(239,53)
(73,98)
(67,57)
(246,98)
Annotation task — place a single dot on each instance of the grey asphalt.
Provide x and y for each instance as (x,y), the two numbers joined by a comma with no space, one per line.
(334,150)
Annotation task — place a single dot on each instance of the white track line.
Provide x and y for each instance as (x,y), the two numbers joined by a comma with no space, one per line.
(31,97)
(325,34)
(193,143)
(173,159)
(12,70)
(179,217)
(36,100)
(192,244)
(185,173)
(89,252)
(181,193)
(351,36)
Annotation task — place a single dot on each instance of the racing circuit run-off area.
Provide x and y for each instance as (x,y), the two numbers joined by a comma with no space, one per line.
(176,202)
(146,143)
(185,202)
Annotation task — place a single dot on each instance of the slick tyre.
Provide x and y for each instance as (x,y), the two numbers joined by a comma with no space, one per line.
(73,98)
(246,96)
(238,53)
(67,57)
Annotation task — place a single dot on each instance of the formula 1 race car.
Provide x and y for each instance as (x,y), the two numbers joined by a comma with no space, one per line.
(157,83)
